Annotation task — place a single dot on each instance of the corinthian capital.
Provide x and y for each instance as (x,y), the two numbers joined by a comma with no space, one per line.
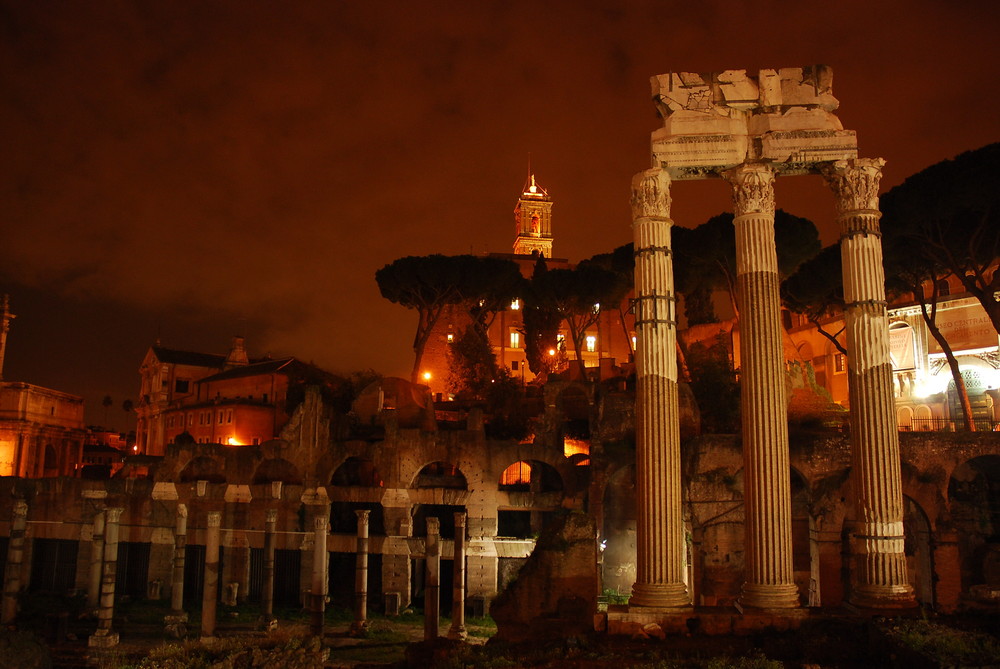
(651,194)
(855,183)
(753,189)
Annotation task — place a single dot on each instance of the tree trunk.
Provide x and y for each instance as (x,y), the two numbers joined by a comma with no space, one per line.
(956,373)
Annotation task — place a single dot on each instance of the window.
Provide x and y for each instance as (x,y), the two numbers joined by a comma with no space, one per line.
(591,343)
(190,419)
(229,416)
(181,386)
(839,363)
(943,288)
(513,366)
(256,441)
(220,417)
(515,339)
(451,337)
(516,304)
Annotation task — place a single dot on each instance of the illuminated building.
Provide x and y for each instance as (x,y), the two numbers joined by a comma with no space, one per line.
(606,344)
(214,399)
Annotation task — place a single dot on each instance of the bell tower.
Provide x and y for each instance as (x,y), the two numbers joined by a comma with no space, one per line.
(533,221)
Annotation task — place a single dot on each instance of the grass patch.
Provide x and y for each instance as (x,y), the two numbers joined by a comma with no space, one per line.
(944,645)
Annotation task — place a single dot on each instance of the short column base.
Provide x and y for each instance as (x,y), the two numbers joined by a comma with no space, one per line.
(659,595)
(175,625)
(883,597)
(358,628)
(458,633)
(268,623)
(759,596)
(103,640)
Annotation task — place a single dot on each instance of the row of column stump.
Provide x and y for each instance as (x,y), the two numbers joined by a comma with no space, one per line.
(103,574)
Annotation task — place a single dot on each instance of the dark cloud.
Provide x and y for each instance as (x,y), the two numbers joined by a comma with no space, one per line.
(192,169)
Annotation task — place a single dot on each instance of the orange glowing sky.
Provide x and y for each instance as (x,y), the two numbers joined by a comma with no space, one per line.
(195,170)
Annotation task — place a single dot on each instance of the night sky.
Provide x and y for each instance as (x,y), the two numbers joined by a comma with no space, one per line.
(195,170)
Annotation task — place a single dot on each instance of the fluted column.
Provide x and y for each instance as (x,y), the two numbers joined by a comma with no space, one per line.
(880,562)
(210,589)
(457,629)
(104,637)
(361,575)
(766,487)
(15,556)
(659,527)
(96,561)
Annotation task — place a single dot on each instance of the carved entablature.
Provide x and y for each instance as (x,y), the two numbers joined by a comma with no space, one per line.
(651,194)
(718,120)
(753,189)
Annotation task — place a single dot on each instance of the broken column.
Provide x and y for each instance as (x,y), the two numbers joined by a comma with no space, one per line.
(96,562)
(767,489)
(659,530)
(432,587)
(15,556)
(267,597)
(875,469)
(104,637)
(457,629)
(175,621)
(318,591)
(210,591)
(361,575)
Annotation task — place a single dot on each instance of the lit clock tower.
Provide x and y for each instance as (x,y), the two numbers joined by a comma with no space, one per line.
(533,221)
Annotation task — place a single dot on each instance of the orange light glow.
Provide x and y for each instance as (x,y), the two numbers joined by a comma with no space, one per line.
(574,446)
(518,473)
(427,376)
(233,441)
(552,351)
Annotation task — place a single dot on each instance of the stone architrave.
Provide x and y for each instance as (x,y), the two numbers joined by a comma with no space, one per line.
(457,629)
(15,556)
(361,575)
(96,562)
(767,498)
(210,591)
(104,637)
(432,583)
(267,597)
(880,561)
(660,528)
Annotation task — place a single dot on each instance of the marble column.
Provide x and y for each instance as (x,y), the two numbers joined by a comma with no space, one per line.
(175,622)
(360,623)
(104,637)
(96,561)
(457,629)
(15,557)
(210,591)
(318,590)
(880,562)
(432,582)
(659,527)
(764,414)
(267,597)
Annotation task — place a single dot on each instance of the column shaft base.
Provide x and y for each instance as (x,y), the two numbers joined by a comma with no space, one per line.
(778,596)
(98,640)
(883,597)
(660,595)
(458,633)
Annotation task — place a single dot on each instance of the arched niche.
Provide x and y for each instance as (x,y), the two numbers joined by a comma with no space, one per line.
(277,469)
(441,475)
(974,498)
(919,556)
(202,468)
(530,476)
(357,472)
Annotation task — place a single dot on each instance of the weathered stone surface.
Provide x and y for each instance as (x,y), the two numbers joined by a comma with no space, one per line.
(556,589)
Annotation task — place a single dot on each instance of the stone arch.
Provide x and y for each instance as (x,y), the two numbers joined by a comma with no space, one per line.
(904,418)
(974,498)
(357,472)
(202,468)
(923,418)
(50,461)
(919,554)
(530,476)
(441,475)
(277,469)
